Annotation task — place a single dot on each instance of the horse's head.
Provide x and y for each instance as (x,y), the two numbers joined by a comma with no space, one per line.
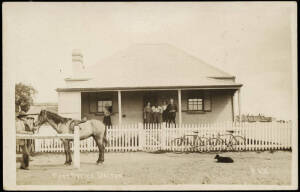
(42,118)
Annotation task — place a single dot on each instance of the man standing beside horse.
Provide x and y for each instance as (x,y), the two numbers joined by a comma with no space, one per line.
(22,128)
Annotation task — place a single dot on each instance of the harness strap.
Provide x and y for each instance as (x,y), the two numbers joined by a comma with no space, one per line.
(74,123)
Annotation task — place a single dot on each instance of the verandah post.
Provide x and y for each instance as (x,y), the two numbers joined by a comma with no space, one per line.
(239,104)
(120,107)
(76,148)
(179,107)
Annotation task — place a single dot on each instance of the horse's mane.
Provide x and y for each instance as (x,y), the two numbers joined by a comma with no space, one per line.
(56,118)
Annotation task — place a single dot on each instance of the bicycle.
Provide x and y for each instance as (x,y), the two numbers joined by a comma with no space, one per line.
(193,141)
(234,142)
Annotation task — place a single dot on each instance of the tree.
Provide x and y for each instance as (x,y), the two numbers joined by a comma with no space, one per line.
(24,97)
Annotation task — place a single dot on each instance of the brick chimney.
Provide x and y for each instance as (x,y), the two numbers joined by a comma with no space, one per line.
(77,64)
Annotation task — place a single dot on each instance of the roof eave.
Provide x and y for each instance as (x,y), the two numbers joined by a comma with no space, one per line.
(235,86)
(77,79)
(222,77)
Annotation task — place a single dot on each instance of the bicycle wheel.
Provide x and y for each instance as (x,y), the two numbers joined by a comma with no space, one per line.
(203,144)
(196,144)
(177,142)
(215,144)
(238,143)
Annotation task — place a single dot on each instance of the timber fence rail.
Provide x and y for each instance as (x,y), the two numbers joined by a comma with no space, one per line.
(46,140)
(257,136)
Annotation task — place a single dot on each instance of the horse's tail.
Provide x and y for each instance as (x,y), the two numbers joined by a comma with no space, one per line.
(104,136)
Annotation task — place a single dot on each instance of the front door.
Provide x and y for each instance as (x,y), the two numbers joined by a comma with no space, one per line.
(150,97)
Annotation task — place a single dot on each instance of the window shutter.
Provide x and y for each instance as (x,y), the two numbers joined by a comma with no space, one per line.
(207,102)
(93,103)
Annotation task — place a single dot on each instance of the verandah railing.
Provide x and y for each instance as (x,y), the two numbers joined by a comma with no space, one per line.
(154,137)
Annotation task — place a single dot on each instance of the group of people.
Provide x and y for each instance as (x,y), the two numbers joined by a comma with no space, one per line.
(158,114)
(152,113)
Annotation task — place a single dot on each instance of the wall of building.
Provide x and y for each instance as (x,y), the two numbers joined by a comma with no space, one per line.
(132,107)
(69,104)
(87,98)
(134,102)
(221,108)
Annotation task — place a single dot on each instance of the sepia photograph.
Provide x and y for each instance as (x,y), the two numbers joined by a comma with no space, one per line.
(150,95)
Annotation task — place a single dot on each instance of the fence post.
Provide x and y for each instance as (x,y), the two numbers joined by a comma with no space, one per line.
(141,136)
(76,147)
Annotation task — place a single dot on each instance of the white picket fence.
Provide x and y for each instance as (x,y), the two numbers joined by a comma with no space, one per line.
(139,137)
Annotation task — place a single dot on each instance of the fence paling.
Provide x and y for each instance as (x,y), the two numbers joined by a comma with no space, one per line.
(257,136)
(263,138)
(286,136)
(261,145)
(282,139)
(273,138)
(252,137)
(125,133)
(129,136)
(277,137)
(119,133)
(123,148)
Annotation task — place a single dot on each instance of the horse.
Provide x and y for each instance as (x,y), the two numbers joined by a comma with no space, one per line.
(89,128)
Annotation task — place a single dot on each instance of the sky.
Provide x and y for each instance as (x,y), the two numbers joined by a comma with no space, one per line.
(249,40)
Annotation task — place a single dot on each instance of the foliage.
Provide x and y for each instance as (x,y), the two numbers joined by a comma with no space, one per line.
(24,97)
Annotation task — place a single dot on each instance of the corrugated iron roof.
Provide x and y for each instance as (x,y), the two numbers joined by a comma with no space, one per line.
(152,65)
(36,109)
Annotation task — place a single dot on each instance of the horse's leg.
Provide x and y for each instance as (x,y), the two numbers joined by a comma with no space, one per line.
(101,147)
(65,142)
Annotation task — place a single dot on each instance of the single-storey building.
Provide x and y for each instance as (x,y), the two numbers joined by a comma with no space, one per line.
(151,73)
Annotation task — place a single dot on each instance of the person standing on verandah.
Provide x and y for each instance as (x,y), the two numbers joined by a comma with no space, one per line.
(157,113)
(147,113)
(153,114)
(164,112)
(172,109)
(107,113)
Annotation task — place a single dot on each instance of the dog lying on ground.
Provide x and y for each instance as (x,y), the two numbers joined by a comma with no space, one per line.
(223,159)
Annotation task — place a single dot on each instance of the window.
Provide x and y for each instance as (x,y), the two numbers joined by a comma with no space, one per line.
(199,102)
(102,104)
(195,104)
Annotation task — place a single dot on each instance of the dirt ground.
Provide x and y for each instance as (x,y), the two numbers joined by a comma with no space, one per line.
(141,168)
